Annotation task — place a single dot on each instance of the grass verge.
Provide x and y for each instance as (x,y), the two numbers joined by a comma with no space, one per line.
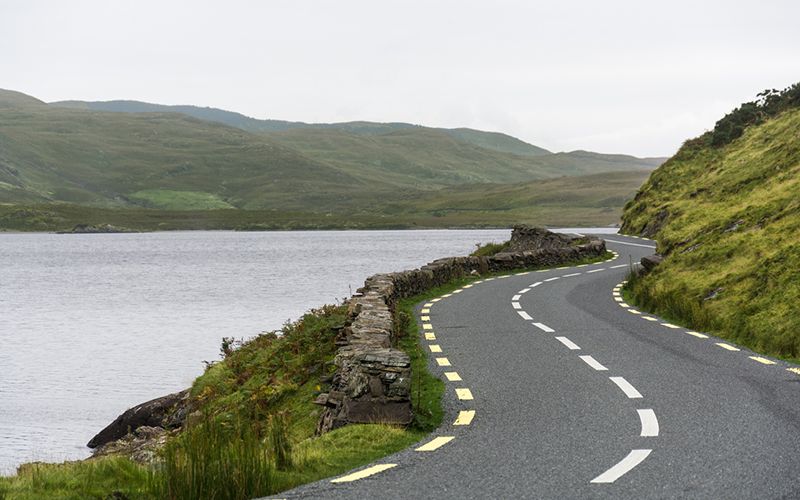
(680,308)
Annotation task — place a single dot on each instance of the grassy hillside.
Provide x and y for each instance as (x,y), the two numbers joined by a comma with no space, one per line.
(489,140)
(566,201)
(51,154)
(726,214)
(424,158)
(56,159)
(397,151)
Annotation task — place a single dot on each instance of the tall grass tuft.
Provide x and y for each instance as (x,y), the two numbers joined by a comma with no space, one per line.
(279,443)
(214,459)
(674,304)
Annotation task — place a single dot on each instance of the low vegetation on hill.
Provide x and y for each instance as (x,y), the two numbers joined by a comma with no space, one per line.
(568,201)
(131,156)
(726,213)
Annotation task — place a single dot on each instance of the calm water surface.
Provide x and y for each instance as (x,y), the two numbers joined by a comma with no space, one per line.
(92,324)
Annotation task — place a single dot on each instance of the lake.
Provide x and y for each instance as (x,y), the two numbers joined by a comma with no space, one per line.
(93,324)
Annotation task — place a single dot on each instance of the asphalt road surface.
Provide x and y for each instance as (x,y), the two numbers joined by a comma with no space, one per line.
(556,388)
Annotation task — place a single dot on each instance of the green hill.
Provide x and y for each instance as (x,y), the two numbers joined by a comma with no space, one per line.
(489,140)
(50,154)
(386,148)
(726,212)
(356,174)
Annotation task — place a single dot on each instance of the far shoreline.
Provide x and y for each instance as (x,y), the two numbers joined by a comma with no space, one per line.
(557,228)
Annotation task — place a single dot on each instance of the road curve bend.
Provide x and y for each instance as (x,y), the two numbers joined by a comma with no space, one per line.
(556,388)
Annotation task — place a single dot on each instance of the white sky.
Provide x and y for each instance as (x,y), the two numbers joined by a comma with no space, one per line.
(634,77)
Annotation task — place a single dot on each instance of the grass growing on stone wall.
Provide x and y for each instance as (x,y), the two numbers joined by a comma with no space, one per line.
(489,249)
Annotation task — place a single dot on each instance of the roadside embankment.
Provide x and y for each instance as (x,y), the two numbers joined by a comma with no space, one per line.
(726,217)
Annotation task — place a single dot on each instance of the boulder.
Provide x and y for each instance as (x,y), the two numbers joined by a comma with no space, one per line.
(527,238)
(649,262)
(141,445)
(160,412)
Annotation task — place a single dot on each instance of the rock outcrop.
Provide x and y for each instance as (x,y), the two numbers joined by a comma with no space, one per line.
(527,238)
(166,412)
(141,445)
(372,382)
(96,229)
(649,262)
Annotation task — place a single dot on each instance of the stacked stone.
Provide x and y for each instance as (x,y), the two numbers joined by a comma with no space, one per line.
(372,383)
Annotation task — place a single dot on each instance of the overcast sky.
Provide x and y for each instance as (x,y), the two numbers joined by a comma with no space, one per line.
(634,77)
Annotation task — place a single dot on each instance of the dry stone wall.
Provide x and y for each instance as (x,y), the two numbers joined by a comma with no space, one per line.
(372,383)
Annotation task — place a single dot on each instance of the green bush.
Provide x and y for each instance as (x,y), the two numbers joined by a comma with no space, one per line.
(769,103)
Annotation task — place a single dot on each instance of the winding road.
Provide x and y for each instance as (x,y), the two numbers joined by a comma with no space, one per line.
(556,388)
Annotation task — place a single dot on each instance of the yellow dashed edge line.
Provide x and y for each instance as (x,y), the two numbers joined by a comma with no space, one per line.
(435,443)
(443,362)
(723,345)
(430,336)
(435,348)
(465,417)
(369,471)
(452,376)
(464,394)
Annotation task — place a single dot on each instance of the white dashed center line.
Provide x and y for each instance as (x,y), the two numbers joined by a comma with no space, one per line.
(543,327)
(634,458)
(570,344)
(593,363)
(649,423)
(626,387)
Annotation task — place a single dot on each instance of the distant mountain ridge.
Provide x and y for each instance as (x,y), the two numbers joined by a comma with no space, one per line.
(151,157)
(491,140)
